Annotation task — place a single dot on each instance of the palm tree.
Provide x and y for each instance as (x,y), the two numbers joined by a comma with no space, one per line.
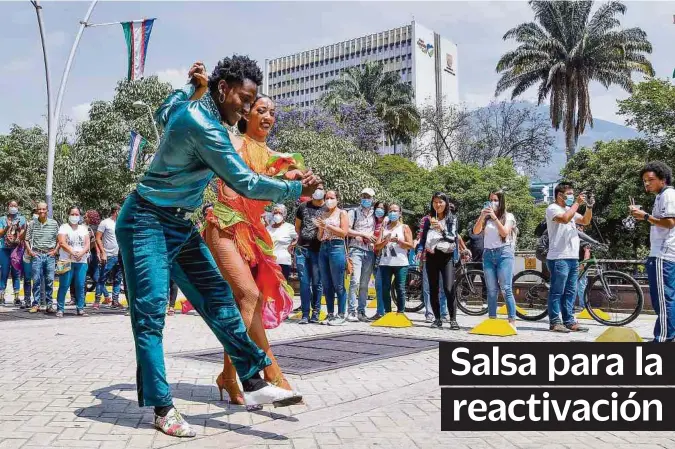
(564,51)
(392,99)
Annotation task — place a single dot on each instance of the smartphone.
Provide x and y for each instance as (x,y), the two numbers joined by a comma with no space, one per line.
(487,205)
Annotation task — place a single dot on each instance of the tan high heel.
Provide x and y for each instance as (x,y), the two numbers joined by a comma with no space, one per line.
(232,388)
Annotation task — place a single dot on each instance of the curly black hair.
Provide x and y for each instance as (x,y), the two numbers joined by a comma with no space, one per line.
(241,124)
(660,169)
(235,70)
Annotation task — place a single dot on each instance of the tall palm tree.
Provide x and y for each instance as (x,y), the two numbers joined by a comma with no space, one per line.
(392,99)
(564,50)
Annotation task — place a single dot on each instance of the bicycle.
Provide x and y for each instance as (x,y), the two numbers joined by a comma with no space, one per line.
(471,293)
(603,294)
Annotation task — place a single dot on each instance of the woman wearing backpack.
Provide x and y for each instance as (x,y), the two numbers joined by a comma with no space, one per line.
(11,227)
(499,242)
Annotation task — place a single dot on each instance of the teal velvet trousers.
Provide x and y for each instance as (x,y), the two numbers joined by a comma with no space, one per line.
(158,244)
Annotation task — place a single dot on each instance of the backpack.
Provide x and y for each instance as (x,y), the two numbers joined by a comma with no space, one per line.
(542,247)
(12,234)
(541,229)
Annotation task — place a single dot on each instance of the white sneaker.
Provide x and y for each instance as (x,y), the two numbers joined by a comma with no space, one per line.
(268,395)
(174,425)
(338,321)
(352,317)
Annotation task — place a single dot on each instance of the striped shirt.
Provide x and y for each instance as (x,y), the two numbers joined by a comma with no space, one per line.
(42,237)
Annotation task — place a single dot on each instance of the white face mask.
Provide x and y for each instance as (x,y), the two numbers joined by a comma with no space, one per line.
(318,194)
(278,218)
(74,219)
(495,205)
(13,210)
(330,204)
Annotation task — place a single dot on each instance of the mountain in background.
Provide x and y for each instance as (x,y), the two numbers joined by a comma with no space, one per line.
(602,130)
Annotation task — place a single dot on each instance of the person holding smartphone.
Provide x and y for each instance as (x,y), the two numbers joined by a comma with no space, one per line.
(497,226)
(395,241)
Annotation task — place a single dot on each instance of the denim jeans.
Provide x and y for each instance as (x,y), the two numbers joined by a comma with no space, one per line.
(43,269)
(77,275)
(378,291)
(309,275)
(563,290)
(111,267)
(6,269)
(158,244)
(498,271)
(27,276)
(332,265)
(399,274)
(364,262)
(581,290)
(428,313)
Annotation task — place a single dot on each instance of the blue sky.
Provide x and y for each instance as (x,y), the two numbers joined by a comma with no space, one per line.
(208,31)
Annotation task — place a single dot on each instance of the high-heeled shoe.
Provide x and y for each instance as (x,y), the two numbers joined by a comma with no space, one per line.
(232,387)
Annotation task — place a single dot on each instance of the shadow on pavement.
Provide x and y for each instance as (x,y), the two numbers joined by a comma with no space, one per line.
(117,409)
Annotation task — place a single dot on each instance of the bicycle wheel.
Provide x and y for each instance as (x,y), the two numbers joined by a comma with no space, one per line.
(471,293)
(530,289)
(414,300)
(614,298)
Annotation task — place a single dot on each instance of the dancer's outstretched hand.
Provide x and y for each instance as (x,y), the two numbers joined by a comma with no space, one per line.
(309,183)
(292,175)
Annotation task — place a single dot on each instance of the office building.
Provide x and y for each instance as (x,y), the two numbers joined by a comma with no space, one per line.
(422,58)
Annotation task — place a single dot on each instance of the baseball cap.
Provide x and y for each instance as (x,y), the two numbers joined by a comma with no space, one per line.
(368,191)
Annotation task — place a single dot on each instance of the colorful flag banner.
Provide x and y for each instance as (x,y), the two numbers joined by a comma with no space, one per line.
(136,144)
(137,35)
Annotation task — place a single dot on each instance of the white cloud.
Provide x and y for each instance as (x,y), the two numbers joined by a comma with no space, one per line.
(177,77)
(80,113)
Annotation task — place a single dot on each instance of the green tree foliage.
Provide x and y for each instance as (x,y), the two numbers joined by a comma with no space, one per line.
(564,50)
(651,109)
(341,165)
(371,85)
(469,186)
(611,172)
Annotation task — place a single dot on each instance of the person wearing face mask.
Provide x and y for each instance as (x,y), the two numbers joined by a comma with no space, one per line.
(307,255)
(41,247)
(395,241)
(562,259)
(27,269)
(12,227)
(362,254)
(74,247)
(380,213)
(283,234)
(333,228)
(498,228)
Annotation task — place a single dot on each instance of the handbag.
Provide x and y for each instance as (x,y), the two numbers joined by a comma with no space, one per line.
(349,267)
(16,258)
(62,267)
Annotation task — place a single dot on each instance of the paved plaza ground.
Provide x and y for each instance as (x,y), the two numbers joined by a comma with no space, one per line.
(71,383)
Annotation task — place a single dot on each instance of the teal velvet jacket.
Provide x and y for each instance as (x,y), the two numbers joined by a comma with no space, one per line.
(194,148)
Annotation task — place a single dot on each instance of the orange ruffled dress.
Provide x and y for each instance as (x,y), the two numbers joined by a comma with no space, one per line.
(242,218)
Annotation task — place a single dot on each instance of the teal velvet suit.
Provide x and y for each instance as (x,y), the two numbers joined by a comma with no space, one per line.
(158,241)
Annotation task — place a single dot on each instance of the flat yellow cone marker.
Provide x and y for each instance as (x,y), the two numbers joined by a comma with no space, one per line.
(372,304)
(494,327)
(584,315)
(502,310)
(619,334)
(393,319)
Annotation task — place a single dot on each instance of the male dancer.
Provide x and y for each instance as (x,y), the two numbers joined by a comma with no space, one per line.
(158,242)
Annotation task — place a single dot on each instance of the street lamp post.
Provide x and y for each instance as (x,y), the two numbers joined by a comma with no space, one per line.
(141,105)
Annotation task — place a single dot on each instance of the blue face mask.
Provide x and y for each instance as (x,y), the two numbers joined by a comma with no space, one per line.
(379,213)
(569,200)
(366,202)
(393,216)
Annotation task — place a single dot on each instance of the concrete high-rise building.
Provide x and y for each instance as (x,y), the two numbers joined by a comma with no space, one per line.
(422,58)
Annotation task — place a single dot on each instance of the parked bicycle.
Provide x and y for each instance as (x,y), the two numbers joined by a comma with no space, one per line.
(612,297)
(469,288)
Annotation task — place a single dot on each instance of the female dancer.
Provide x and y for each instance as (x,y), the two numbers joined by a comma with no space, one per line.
(243,249)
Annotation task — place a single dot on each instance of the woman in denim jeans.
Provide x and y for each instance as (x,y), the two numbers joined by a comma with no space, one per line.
(381,210)
(497,226)
(333,227)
